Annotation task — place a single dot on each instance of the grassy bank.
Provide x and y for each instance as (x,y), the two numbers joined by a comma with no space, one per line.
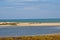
(43,37)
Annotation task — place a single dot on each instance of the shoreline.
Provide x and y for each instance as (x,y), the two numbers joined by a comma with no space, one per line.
(53,34)
(39,37)
(28,24)
(38,24)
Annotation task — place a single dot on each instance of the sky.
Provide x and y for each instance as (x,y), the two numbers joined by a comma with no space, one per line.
(29,9)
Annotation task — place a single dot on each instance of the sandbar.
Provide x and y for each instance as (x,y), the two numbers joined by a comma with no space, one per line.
(28,24)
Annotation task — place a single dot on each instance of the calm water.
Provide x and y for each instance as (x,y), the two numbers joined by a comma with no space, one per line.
(29,20)
(22,31)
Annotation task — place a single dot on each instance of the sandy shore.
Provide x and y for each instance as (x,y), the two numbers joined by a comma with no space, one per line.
(28,24)
(38,24)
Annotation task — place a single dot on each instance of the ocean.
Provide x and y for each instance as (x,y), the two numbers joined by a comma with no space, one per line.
(27,30)
(29,20)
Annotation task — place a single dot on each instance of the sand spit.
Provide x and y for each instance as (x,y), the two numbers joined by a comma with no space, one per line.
(28,24)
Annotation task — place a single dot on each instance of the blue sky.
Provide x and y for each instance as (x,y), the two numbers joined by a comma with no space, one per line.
(29,9)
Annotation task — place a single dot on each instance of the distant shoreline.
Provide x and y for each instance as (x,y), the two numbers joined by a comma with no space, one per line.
(29,24)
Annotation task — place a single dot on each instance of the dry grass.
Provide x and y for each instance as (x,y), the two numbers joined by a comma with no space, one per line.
(44,37)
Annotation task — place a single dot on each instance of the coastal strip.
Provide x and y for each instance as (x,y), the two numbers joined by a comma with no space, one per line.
(28,24)
(40,37)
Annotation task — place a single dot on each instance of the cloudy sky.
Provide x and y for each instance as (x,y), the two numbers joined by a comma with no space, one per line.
(29,9)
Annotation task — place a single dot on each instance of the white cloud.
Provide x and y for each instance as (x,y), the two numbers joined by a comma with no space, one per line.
(29,0)
(9,0)
(24,0)
(29,8)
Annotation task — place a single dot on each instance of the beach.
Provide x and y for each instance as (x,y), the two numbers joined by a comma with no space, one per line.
(29,24)
(38,24)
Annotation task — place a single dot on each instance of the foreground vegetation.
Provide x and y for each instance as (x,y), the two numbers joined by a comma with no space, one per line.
(46,37)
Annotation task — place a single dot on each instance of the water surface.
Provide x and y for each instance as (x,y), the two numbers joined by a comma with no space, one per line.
(29,20)
(22,31)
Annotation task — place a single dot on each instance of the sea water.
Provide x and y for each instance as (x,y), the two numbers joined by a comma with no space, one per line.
(29,20)
(28,30)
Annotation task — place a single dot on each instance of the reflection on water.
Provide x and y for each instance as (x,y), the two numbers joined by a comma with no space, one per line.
(21,31)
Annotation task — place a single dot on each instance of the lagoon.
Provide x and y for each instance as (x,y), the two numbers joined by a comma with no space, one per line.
(28,30)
